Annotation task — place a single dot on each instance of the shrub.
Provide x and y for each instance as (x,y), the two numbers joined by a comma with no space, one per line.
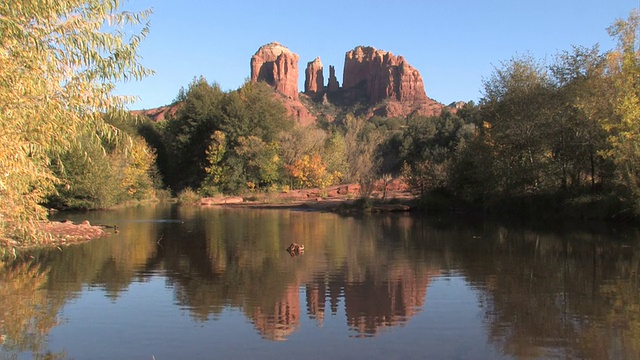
(188,197)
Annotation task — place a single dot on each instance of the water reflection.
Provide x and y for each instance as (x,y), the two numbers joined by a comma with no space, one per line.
(541,293)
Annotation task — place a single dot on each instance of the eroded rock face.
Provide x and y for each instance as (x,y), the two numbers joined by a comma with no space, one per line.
(384,75)
(159,113)
(386,83)
(314,78)
(333,84)
(277,66)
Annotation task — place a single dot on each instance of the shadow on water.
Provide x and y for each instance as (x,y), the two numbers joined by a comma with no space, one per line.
(541,292)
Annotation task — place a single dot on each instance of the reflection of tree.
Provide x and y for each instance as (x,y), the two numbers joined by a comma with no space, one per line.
(542,294)
(27,314)
(548,295)
(33,292)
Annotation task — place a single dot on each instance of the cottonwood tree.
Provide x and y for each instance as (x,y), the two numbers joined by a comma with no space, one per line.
(516,105)
(362,144)
(59,61)
(624,127)
(582,101)
(188,133)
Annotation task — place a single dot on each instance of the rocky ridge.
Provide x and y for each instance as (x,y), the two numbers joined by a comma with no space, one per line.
(385,83)
(388,83)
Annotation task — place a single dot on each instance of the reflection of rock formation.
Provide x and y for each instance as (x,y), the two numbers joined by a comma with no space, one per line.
(396,300)
(282,320)
(316,293)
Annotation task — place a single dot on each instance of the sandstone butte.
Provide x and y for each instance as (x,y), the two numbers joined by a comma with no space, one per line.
(388,83)
(314,78)
(277,66)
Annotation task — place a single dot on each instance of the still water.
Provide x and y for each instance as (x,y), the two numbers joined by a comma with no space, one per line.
(217,283)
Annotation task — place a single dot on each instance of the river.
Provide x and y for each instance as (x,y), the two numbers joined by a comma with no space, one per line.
(216,283)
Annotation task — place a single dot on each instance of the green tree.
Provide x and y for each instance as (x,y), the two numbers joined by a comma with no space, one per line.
(300,141)
(260,161)
(582,99)
(92,178)
(334,154)
(58,66)
(624,127)
(362,145)
(428,148)
(516,105)
(215,169)
(254,110)
(187,134)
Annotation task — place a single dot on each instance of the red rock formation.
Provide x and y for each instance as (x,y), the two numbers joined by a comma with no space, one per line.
(333,84)
(389,85)
(387,76)
(159,113)
(278,67)
(298,111)
(314,78)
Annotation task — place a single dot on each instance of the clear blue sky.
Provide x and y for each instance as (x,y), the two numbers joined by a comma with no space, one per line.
(454,43)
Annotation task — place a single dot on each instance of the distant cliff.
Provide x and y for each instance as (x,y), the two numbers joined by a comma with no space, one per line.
(159,113)
(383,83)
(387,83)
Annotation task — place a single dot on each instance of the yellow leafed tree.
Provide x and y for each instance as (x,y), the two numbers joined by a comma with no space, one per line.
(59,61)
(624,129)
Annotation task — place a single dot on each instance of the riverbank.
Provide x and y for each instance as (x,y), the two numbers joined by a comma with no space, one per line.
(342,199)
(389,197)
(57,233)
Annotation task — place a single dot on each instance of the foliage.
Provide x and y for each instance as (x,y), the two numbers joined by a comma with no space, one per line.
(429,147)
(260,160)
(362,143)
(209,143)
(472,177)
(58,65)
(186,136)
(215,170)
(86,179)
(334,155)
(311,171)
(518,106)
(300,141)
(583,101)
(624,128)
(254,110)
(188,197)
(97,173)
